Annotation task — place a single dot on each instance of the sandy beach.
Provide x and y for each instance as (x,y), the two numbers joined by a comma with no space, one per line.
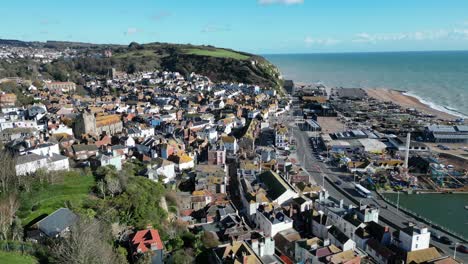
(407,101)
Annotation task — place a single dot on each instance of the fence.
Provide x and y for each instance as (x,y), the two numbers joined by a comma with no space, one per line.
(423,219)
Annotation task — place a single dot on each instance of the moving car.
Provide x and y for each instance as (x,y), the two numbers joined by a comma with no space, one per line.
(462,249)
(445,240)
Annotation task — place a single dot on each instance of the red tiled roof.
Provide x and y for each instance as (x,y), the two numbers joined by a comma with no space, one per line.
(145,240)
(286,260)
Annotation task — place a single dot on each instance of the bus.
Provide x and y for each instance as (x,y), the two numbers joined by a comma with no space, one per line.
(362,191)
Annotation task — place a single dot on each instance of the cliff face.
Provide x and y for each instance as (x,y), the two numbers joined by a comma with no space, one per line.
(217,63)
(254,70)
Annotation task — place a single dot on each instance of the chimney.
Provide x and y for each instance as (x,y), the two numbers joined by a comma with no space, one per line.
(326,242)
(261,249)
(255,245)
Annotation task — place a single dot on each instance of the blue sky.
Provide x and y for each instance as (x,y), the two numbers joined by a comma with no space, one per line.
(258,26)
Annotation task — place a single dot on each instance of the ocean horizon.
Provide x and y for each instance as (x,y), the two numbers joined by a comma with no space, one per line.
(436,78)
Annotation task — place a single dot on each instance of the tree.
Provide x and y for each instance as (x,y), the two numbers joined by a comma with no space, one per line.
(38,84)
(182,257)
(8,207)
(175,243)
(209,239)
(141,201)
(113,186)
(8,176)
(86,243)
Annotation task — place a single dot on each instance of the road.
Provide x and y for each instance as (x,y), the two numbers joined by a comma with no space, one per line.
(320,171)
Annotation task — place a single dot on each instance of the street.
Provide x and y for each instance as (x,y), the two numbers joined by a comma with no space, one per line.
(320,171)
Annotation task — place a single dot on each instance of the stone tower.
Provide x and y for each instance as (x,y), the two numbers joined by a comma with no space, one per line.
(85,124)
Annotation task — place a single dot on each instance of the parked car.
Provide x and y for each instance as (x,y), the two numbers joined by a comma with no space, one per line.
(435,235)
(445,240)
(338,182)
(462,249)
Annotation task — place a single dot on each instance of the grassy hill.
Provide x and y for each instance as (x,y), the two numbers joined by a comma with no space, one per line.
(43,200)
(217,53)
(218,64)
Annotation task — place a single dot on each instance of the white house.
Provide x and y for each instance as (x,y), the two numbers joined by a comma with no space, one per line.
(147,132)
(127,141)
(114,160)
(271,223)
(61,129)
(46,149)
(341,240)
(162,168)
(30,163)
(183,161)
(414,238)
(230,143)
(58,162)
(208,133)
(281,137)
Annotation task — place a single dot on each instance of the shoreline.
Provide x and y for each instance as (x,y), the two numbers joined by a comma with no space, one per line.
(407,100)
(435,106)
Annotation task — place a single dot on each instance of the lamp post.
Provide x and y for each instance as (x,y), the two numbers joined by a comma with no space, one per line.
(398,201)
(354,173)
(455,251)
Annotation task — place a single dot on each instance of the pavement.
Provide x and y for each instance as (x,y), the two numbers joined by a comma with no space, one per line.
(320,170)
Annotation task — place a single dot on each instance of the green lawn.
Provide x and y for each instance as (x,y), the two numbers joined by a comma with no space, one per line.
(219,53)
(74,189)
(16,258)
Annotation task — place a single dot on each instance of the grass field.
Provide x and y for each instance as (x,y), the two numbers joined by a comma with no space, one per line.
(74,189)
(219,53)
(16,258)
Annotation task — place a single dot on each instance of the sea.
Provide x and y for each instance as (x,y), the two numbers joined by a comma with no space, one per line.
(446,210)
(437,78)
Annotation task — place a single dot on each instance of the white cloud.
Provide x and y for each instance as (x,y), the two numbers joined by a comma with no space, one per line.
(441,34)
(321,41)
(131,31)
(284,2)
